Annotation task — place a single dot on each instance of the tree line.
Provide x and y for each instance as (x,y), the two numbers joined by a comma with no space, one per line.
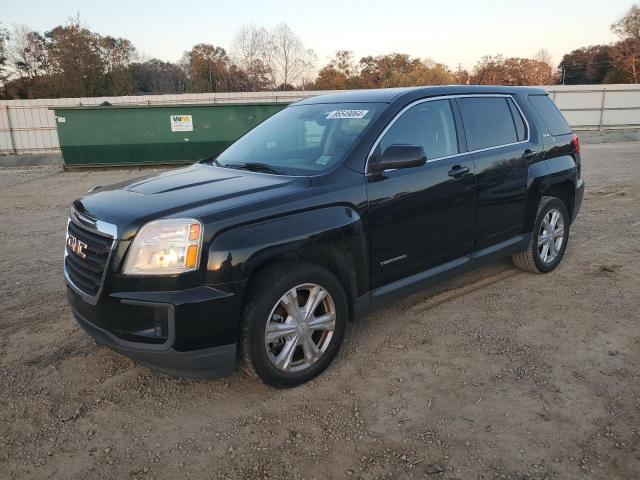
(72,61)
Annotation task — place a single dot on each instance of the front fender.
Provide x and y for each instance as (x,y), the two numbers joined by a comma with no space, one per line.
(236,253)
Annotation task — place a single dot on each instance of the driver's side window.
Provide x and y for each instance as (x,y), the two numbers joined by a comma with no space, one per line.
(428,124)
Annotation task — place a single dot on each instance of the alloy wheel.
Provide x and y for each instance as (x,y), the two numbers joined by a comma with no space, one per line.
(551,236)
(300,327)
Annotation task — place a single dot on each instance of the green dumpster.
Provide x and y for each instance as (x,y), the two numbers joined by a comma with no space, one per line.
(154,134)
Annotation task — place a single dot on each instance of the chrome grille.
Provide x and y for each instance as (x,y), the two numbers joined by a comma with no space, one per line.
(85,267)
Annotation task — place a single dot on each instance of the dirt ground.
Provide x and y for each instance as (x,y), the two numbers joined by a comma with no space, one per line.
(497,374)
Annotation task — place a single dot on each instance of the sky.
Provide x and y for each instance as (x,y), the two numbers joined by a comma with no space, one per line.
(448,31)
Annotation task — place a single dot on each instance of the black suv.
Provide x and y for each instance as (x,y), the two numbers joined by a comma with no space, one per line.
(323,212)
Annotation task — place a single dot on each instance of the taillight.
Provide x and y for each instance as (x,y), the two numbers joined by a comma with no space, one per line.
(575,141)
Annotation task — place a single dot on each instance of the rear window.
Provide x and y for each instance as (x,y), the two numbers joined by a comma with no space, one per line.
(488,122)
(550,114)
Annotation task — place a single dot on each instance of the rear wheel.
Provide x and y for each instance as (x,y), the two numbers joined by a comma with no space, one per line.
(294,323)
(548,239)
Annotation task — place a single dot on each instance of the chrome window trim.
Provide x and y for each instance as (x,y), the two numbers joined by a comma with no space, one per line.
(449,97)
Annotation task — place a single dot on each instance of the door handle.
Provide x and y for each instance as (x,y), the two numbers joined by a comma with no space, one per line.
(458,172)
(529,154)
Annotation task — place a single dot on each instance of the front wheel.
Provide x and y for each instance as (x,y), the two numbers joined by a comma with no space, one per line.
(294,323)
(548,239)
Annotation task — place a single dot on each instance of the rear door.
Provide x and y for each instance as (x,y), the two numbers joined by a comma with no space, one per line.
(423,216)
(498,138)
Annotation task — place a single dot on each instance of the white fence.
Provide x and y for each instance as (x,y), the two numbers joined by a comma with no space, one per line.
(598,107)
(28,126)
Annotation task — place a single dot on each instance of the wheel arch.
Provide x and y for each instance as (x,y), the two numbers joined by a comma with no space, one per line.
(330,256)
(332,237)
(554,178)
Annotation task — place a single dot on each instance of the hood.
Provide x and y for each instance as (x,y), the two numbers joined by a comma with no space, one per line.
(130,204)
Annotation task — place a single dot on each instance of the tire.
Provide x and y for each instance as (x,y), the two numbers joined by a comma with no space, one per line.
(270,306)
(533,260)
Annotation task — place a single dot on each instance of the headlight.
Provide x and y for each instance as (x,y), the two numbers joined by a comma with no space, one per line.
(165,247)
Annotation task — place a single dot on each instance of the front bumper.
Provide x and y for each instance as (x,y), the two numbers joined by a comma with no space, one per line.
(189,333)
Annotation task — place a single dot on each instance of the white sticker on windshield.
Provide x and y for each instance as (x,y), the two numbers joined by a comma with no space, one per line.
(347,114)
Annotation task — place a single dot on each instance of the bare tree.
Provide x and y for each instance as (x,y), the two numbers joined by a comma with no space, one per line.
(309,69)
(248,45)
(28,52)
(541,70)
(627,51)
(289,63)
(275,58)
(4,37)
(543,56)
(248,51)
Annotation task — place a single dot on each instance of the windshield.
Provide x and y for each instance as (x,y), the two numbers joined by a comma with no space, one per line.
(302,139)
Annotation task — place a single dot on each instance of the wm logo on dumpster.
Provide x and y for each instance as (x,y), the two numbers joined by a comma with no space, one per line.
(181,123)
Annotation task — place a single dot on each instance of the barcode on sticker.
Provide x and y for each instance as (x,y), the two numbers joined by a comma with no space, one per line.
(347,114)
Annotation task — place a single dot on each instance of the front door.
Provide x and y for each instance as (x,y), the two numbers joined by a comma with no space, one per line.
(421,217)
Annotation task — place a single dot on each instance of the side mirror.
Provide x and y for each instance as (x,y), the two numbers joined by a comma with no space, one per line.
(400,156)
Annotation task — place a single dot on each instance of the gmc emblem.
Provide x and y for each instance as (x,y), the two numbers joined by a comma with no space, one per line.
(76,246)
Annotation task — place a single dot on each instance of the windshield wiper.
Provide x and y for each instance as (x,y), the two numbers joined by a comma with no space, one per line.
(252,167)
